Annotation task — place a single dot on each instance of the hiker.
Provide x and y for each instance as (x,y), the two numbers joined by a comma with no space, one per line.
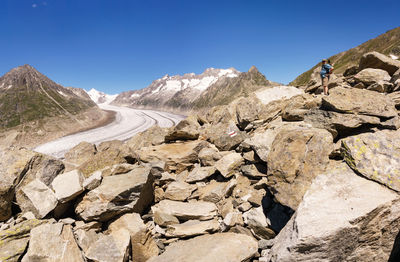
(326,70)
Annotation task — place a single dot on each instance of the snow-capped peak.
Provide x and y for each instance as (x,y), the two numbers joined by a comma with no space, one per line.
(99,97)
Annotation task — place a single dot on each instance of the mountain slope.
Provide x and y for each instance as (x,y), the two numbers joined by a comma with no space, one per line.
(387,43)
(190,91)
(27,95)
(99,97)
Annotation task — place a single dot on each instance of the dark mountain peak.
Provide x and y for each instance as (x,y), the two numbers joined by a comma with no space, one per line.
(253,69)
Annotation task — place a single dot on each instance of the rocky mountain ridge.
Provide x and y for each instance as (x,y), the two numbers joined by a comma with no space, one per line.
(280,175)
(100,97)
(190,91)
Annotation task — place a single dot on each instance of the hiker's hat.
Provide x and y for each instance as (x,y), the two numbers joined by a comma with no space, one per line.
(324,60)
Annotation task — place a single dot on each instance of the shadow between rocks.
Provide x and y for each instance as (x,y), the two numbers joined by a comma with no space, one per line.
(395,254)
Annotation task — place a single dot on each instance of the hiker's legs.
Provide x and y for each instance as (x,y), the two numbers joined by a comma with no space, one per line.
(325,85)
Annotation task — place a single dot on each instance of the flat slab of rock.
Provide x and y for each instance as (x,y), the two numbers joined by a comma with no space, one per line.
(359,101)
(14,240)
(40,199)
(269,95)
(375,156)
(185,211)
(343,217)
(80,153)
(380,61)
(297,155)
(53,242)
(229,163)
(130,192)
(200,173)
(221,247)
(370,76)
(192,228)
(68,185)
(179,190)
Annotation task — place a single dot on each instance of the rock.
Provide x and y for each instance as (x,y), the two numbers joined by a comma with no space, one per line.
(351,71)
(216,191)
(53,242)
(131,192)
(276,93)
(266,243)
(153,136)
(186,211)
(164,219)
(381,87)
(359,85)
(179,191)
(380,61)
(209,155)
(192,228)
(254,171)
(370,76)
(395,96)
(258,223)
(233,218)
(228,164)
(220,247)
(109,249)
(14,241)
(40,199)
(357,220)
(225,135)
(187,129)
(177,156)
(297,156)
(244,207)
(359,101)
(200,173)
(247,110)
(94,225)
(13,165)
(143,245)
(68,185)
(80,153)
(375,156)
(256,196)
(93,181)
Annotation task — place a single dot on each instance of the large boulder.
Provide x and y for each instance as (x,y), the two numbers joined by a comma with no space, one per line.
(225,135)
(80,153)
(380,61)
(229,164)
(343,217)
(268,95)
(153,136)
(130,192)
(179,190)
(14,240)
(297,156)
(185,211)
(142,243)
(370,76)
(187,129)
(177,156)
(220,247)
(359,101)
(53,242)
(13,165)
(375,156)
(68,185)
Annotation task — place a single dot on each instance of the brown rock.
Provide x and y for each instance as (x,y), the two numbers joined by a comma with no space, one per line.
(80,153)
(380,61)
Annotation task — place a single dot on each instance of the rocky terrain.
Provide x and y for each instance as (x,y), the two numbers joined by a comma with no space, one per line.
(387,44)
(190,92)
(34,109)
(280,175)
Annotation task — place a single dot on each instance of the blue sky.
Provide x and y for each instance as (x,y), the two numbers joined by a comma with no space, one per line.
(120,45)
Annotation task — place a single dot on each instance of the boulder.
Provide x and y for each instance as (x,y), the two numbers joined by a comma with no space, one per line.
(177,156)
(209,155)
(68,185)
(153,136)
(225,135)
(179,191)
(142,243)
(258,223)
(13,165)
(297,156)
(216,191)
(108,248)
(359,101)
(220,247)
(254,171)
(80,153)
(14,240)
(186,211)
(187,129)
(233,218)
(356,220)
(53,242)
(192,228)
(37,198)
(131,192)
(370,76)
(380,61)
(229,163)
(93,181)
(200,173)
(375,156)
(247,110)
(268,95)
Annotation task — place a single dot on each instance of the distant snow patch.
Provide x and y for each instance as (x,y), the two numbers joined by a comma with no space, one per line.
(173,85)
(393,56)
(277,93)
(135,95)
(227,73)
(100,97)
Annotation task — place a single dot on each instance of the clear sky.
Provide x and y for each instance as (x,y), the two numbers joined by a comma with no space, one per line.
(120,45)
